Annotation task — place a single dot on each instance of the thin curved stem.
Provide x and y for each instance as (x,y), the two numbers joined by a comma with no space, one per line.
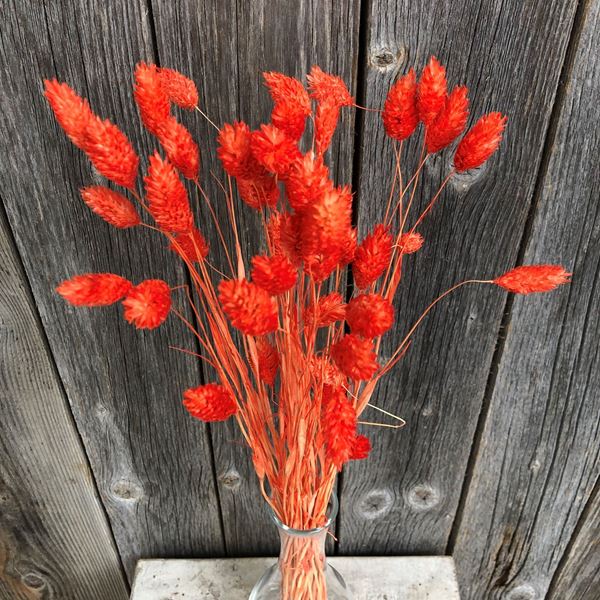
(426,312)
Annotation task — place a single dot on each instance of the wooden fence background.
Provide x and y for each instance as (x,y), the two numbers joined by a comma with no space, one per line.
(499,463)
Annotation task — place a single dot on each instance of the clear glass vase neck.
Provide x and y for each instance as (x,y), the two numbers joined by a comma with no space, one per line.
(302,572)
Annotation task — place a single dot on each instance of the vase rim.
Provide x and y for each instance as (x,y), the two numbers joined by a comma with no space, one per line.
(333,510)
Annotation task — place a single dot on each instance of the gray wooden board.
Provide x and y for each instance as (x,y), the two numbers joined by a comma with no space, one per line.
(404,498)
(150,460)
(579,575)
(373,578)
(225,47)
(539,456)
(55,541)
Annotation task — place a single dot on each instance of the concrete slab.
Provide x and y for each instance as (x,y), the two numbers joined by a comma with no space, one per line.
(369,578)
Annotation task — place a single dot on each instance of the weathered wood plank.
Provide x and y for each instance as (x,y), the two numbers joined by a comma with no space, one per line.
(225,46)
(150,461)
(579,575)
(539,457)
(404,498)
(55,541)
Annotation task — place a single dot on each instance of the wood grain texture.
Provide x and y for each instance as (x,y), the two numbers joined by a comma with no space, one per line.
(55,541)
(225,46)
(150,460)
(578,576)
(539,456)
(404,498)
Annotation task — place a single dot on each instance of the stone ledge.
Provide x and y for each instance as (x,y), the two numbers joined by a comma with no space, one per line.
(369,578)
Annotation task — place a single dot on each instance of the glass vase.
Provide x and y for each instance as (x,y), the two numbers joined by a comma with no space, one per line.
(302,572)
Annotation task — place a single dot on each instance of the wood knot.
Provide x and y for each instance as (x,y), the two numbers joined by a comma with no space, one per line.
(101,411)
(124,489)
(375,504)
(422,497)
(386,59)
(461,182)
(522,592)
(231,479)
(34,581)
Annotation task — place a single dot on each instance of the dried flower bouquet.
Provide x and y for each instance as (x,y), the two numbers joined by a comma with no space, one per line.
(307,364)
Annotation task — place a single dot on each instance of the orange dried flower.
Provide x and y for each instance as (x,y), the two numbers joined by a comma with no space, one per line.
(450,122)
(323,371)
(113,207)
(480,142)
(210,402)
(274,150)
(290,237)
(289,120)
(249,308)
(150,96)
(324,86)
(339,424)
(361,448)
(533,278)
(191,246)
(331,93)
(355,357)
(320,266)
(326,119)
(292,104)
(72,112)
(180,147)
(308,180)
(400,115)
(369,315)
(268,360)
(111,152)
(147,305)
(234,149)
(431,91)
(284,235)
(167,198)
(94,289)
(372,257)
(259,191)
(273,229)
(275,274)
(328,310)
(327,223)
(410,242)
(284,88)
(350,246)
(180,89)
